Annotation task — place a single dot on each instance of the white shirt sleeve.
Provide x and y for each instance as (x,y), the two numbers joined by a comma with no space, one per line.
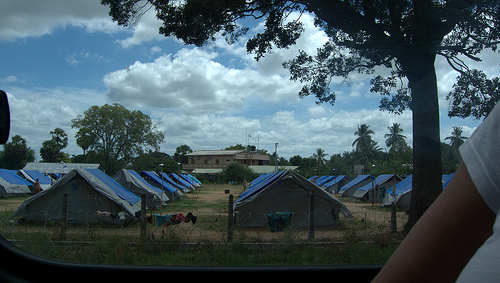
(481,155)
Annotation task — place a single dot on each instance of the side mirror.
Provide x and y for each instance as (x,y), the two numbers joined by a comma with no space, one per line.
(4,118)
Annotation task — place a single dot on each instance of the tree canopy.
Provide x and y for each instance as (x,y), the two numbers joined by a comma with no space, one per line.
(16,154)
(51,149)
(118,134)
(404,36)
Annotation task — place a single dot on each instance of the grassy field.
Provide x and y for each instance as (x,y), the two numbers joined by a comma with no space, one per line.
(366,238)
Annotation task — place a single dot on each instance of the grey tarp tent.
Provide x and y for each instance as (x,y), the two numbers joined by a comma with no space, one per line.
(133,182)
(286,191)
(13,185)
(93,196)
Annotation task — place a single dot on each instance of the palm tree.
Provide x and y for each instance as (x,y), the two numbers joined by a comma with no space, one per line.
(320,156)
(394,136)
(364,138)
(456,138)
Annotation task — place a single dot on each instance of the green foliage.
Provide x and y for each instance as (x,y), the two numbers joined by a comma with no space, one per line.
(51,149)
(473,95)
(151,162)
(456,138)
(116,134)
(16,154)
(180,153)
(238,173)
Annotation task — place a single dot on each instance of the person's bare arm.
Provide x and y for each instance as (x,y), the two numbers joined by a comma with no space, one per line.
(445,238)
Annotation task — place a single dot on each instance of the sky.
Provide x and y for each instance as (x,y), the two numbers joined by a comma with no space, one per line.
(60,57)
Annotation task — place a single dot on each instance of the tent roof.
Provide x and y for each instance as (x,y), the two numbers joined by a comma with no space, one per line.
(446,180)
(11,177)
(275,178)
(114,186)
(100,182)
(33,174)
(336,180)
(324,180)
(152,175)
(406,184)
(133,177)
(402,187)
(354,182)
(262,183)
(379,180)
(181,180)
(58,168)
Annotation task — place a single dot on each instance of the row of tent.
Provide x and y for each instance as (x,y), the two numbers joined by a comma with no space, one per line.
(286,192)
(93,196)
(384,189)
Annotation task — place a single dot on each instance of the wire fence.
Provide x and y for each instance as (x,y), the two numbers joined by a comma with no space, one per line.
(369,224)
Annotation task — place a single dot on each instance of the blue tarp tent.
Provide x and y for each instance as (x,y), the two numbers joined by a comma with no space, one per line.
(155,180)
(92,196)
(324,180)
(33,175)
(286,192)
(177,185)
(380,185)
(13,185)
(180,181)
(262,182)
(334,185)
(403,191)
(197,182)
(133,182)
(349,189)
(446,180)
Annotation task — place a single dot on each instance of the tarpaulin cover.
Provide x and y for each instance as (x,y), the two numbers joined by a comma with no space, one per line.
(324,180)
(287,191)
(42,178)
(114,186)
(11,177)
(152,175)
(178,179)
(335,181)
(278,221)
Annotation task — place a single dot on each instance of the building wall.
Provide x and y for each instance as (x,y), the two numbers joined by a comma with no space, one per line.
(221,160)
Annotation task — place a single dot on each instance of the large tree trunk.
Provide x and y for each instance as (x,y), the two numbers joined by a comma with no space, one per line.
(427,184)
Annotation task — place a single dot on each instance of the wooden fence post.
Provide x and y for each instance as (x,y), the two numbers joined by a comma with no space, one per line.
(142,218)
(230,219)
(311,217)
(64,216)
(394,224)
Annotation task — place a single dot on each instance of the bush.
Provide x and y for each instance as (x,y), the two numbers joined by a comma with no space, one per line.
(238,173)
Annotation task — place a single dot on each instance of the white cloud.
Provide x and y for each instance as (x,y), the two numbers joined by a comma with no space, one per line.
(9,79)
(36,112)
(193,82)
(25,18)
(146,30)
